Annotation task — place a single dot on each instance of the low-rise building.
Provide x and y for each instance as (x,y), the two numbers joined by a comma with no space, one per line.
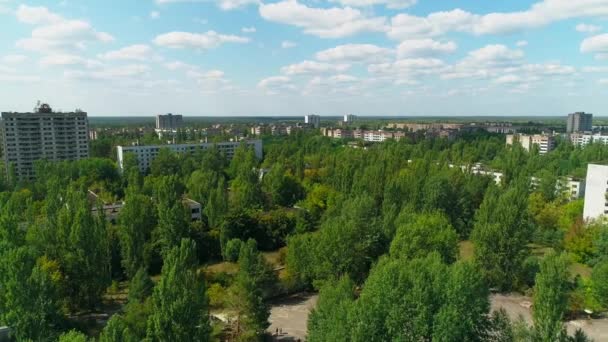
(582,140)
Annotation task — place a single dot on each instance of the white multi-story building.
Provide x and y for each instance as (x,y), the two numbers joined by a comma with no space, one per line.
(596,201)
(169,122)
(42,135)
(583,140)
(545,143)
(145,154)
(312,120)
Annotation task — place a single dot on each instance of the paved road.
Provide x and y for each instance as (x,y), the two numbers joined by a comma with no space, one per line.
(291,316)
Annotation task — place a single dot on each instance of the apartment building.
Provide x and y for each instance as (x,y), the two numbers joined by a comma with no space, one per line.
(42,135)
(349,119)
(145,154)
(579,122)
(546,143)
(596,190)
(169,122)
(583,140)
(312,120)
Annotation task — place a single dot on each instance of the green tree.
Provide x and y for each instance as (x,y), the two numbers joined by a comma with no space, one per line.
(140,286)
(551,298)
(501,232)
(217,206)
(328,321)
(116,330)
(166,163)
(599,283)
(30,295)
(423,234)
(137,220)
(180,311)
(73,336)
(173,218)
(282,189)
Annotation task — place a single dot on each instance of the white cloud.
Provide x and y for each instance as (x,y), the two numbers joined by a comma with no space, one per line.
(14,59)
(354,53)
(496,55)
(392,4)
(332,22)
(286,44)
(596,44)
(410,66)
(312,67)
(55,32)
(521,43)
(424,48)
(207,40)
(275,84)
(154,15)
(586,28)
(405,26)
(139,52)
(66,60)
(595,69)
(222,4)
(486,62)
(37,15)
(177,65)
(508,79)
(248,29)
(603,81)
(110,73)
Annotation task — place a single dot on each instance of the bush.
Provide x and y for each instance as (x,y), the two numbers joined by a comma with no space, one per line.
(233,247)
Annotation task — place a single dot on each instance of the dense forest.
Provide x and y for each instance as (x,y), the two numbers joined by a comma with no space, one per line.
(401,241)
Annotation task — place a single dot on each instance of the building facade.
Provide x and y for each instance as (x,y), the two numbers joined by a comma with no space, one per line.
(169,122)
(596,189)
(545,143)
(583,140)
(312,120)
(579,122)
(42,135)
(146,154)
(349,119)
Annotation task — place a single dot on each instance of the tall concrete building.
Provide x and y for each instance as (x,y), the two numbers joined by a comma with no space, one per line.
(169,122)
(42,134)
(146,154)
(596,190)
(349,118)
(579,122)
(312,120)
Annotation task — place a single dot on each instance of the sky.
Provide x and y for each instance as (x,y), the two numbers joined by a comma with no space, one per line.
(297,57)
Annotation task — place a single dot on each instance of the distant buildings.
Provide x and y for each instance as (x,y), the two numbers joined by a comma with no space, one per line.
(415,127)
(583,140)
(367,135)
(145,154)
(579,122)
(42,134)
(545,143)
(596,199)
(169,122)
(349,119)
(312,120)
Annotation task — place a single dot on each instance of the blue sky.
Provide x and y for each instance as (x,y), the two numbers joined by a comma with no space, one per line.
(294,57)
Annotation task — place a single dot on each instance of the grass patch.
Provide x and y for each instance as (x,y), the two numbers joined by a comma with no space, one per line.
(466,250)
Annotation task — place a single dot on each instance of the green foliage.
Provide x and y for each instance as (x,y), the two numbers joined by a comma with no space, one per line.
(282,189)
(599,283)
(179,301)
(422,234)
(328,321)
(116,330)
(501,233)
(137,220)
(551,297)
(140,286)
(233,248)
(30,296)
(173,217)
(73,336)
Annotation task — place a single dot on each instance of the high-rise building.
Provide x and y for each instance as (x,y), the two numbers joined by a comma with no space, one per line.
(596,190)
(545,143)
(579,122)
(145,154)
(42,134)
(349,118)
(169,122)
(312,120)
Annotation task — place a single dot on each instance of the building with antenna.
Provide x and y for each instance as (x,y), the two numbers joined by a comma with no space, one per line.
(42,135)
